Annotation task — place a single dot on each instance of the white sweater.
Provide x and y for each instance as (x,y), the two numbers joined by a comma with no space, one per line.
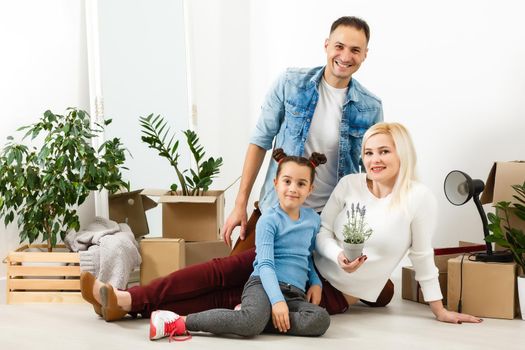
(395,231)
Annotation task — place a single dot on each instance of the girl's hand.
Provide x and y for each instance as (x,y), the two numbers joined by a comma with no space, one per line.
(280,316)
(444,315)
(350,266)
(313,295)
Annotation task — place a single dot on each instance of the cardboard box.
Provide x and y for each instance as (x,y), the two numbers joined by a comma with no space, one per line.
(498,186)
(192,218)
(442,255)
(162,256)
(199,252)
(130,208)
(487,289)
(410,288)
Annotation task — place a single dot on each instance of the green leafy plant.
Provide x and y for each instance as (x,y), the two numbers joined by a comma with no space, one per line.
(156,134)
(356,231)
(502,233)
(42,186)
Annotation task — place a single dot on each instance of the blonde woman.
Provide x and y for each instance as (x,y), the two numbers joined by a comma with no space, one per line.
(402,214)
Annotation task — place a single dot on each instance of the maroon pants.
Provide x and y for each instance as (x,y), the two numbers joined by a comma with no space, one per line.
(217,283)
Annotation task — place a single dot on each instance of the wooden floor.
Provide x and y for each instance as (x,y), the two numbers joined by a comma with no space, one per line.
(401,325)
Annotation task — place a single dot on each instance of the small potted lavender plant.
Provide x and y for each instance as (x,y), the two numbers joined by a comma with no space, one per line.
(355,232)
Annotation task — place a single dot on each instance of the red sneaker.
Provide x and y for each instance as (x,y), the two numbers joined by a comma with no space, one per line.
(166,323)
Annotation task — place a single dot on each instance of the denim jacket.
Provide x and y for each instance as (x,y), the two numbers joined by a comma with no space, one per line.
(286,117)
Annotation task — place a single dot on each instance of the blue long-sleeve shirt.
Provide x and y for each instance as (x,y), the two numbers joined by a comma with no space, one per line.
(284,250)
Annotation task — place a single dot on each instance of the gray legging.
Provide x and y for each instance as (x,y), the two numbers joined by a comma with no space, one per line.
(306,319)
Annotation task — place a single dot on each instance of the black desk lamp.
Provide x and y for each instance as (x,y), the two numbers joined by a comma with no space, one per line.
(459,188)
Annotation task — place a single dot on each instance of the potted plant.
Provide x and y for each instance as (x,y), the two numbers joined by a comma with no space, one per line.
(190,210)
(42,185)
(355,232)
(192,182)
(505,235)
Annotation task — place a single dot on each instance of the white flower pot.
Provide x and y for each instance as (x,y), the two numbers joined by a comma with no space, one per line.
(521,295)
(353,251)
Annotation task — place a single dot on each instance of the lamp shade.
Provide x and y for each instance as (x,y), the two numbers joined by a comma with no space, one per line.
(459,187)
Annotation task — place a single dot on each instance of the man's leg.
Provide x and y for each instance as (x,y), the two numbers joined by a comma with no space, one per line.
(216,283)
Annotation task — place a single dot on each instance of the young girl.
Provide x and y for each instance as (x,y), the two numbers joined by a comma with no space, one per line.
(283,268)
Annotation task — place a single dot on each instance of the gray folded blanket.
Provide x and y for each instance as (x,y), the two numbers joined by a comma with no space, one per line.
(107,249)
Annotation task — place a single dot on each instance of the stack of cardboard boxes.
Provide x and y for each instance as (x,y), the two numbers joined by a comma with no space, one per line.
(410,289)
(190,230)
(480,288)
(190,233)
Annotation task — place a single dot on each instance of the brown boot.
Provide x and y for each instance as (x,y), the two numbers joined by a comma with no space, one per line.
(384,297)
(249,240)
(87,280)
(111,311)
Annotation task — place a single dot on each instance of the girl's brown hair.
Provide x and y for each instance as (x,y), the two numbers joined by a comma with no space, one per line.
(313,162)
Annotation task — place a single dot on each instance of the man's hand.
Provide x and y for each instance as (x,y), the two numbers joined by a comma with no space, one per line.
(237,217)
(350,266)
(313,295)
(280,316)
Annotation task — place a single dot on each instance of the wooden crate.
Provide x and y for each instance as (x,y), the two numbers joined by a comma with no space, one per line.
(44,282)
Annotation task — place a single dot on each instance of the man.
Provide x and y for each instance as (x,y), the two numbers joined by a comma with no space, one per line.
(318,109)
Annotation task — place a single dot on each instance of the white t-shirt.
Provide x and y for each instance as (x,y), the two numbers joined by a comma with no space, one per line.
(323,137)
(395,231)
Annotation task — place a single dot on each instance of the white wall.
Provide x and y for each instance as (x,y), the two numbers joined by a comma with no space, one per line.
(143,71)
(220,37)
(42,66)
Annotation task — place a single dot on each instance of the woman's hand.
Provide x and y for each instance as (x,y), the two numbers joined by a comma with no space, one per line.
(280,316)
(313,295)
(444,315)
(350,266)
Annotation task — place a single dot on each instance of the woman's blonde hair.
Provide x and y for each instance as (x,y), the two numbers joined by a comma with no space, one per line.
(406,153)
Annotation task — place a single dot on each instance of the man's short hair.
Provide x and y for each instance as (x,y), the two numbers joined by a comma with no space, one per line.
(351,21)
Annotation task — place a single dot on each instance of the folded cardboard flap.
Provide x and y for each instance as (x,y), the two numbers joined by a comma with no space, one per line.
(130,208)
(502,176)
(211,197)
(166,196)
(154,192)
